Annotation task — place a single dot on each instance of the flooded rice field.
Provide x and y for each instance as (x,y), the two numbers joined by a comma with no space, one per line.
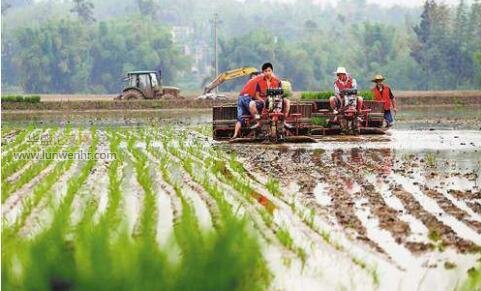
(395,212)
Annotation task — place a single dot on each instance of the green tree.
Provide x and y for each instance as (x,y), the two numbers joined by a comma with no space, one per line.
(132,44)
(84,10)
(376,46)
(53,57)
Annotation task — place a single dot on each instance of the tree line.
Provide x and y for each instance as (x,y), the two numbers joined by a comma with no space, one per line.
(442,51)
(439,48)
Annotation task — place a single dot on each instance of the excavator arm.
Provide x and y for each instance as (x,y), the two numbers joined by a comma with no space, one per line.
(228,75)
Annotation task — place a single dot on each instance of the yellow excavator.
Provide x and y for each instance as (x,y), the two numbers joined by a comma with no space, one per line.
(221,78)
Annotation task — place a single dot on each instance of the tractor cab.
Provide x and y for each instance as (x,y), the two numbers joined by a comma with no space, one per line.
(145,85)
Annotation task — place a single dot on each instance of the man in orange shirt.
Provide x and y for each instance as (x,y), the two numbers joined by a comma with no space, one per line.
(384,94)
(268,81)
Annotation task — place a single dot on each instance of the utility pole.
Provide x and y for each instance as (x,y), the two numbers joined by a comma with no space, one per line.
(216,22)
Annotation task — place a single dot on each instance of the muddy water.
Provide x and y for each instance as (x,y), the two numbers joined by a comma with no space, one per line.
(412,196)
(101,118)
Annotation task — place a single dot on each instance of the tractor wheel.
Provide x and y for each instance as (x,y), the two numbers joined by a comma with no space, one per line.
(132,95)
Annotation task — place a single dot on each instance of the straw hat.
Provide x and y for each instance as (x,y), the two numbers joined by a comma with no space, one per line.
(378,77)
(340,70)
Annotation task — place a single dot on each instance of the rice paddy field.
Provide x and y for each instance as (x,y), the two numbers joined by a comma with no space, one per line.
(148,201)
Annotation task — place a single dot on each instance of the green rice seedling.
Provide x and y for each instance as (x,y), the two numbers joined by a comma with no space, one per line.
(272,185)
(372,270)
(320,120)
(431,160)
(236,165)
(324,95)
(473,282)
(285,238)
(287,241)
(359,262)
(204,130)
(434,235)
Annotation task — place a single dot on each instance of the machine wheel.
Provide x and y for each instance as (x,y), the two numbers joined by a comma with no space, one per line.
(132,95)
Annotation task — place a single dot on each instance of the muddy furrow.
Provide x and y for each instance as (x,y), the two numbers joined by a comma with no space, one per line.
(469,196)
(309,170)
(452,210)
(445,204)
(347,191)
(302,233)
(417,238)
(388,217)
(438,230)
(345,212)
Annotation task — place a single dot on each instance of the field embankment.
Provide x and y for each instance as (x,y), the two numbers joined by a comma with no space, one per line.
(106,102)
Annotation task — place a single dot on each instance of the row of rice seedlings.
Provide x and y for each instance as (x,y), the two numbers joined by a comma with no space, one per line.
(94,260)
(40,191)
(213,161)
(46,261)
(99,256)
(9,152)
(111,215)
(201,179)
(272,185)
(231,225)
(148,216)
(9,130)
(19,138)
(212,251)
(13,165)
(208,256)
(35,169)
